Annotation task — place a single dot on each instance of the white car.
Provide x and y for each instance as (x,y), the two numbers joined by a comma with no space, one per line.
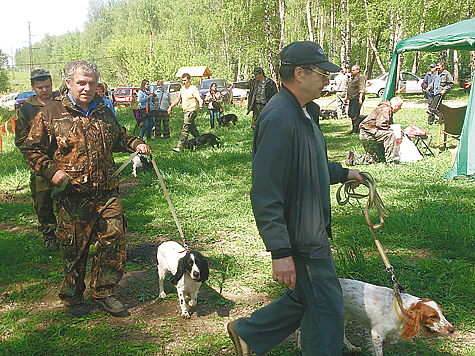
(8,101)
(240,91)
(408,84)
(331,87)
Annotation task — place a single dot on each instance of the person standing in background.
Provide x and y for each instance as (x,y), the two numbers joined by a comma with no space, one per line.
(341,81)
(161,103)
(355,94)
(146,109)
(42,84)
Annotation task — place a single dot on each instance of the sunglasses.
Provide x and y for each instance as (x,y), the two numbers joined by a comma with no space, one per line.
(326,75)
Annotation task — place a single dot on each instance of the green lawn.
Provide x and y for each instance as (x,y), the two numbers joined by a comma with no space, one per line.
(428,236)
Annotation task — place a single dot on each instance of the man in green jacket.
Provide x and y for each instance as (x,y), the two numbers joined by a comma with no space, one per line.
(71,144)
(42,84)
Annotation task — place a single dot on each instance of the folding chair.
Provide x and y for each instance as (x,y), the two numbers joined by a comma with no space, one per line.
(452,117)
(138,120)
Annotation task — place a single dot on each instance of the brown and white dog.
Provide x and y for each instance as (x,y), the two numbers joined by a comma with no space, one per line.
(377,310)
(188,268)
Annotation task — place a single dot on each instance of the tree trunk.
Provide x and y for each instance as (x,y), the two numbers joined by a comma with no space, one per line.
(456,66)
(309,20)
(270,47)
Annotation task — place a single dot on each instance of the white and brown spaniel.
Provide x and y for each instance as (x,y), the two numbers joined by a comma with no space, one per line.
(188,268)
(377,309)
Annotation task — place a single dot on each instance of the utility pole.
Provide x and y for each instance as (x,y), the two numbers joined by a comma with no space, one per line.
(30,49)
(150,56)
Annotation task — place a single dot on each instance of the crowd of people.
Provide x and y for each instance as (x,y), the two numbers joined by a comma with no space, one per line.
(68,139)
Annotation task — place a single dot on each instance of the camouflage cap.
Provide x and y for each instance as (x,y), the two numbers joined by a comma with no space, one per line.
(39,73)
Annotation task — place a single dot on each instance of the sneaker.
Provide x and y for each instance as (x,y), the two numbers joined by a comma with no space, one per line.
(112,305)
(242,349)
(176,149)
(350,158)
(77,310)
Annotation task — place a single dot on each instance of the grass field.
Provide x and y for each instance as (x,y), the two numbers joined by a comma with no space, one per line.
(428,236)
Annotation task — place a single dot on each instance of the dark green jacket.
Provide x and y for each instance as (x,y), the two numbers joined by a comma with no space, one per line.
(285,194)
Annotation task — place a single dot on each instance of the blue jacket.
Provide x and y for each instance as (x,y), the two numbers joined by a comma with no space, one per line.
(286,195)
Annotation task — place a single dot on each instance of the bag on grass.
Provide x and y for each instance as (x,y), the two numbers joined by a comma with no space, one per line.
(408,151)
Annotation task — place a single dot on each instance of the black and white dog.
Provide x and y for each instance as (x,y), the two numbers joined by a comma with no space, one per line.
(328,114)
(201,141)
(188,268)
(140,161)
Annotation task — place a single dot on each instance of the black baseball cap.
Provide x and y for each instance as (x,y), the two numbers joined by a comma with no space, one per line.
(258,70)
(39,73)
(306,53)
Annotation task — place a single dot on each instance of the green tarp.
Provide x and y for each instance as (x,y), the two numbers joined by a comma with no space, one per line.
(459,36)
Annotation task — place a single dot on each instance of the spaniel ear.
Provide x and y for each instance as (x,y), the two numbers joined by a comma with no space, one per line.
(204,269)
(179,271)
(412,324)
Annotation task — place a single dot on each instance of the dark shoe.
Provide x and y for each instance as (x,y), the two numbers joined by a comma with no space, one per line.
(51,243)
(350,158)
(112,305)
(242,349)
(77,310)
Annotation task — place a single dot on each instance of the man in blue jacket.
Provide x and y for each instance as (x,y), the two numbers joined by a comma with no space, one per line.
(290,198)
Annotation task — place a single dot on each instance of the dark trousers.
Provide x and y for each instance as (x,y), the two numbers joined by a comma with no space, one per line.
(161,117)
(44,206)
(80,219)
(315,305)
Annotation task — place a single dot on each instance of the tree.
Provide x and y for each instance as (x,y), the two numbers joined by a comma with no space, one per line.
(4,80)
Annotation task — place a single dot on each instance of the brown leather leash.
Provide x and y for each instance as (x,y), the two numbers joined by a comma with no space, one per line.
(373,200)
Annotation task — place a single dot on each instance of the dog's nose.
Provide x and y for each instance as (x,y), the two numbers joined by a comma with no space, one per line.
(451,329)
(196,275)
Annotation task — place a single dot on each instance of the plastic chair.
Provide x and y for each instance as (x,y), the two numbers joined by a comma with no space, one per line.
(138,120)
(453,118)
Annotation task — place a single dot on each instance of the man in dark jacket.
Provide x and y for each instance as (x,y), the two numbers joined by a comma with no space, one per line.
(261,89)
(42,84)
(428,78)
(290,198)
(70,144)
(441,84)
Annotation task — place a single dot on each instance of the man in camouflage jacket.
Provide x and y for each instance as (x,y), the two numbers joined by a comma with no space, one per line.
(41,83)
(70,144)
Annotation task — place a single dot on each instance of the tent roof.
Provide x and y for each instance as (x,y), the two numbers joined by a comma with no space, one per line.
(460,36)
(201,71)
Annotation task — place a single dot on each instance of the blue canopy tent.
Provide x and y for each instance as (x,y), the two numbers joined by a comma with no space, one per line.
(459,36)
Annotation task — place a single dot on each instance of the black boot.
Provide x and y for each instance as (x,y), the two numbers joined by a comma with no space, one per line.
(355,123)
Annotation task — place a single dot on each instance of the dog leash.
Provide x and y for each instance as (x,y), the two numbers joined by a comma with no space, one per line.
(373,199)
(167,196)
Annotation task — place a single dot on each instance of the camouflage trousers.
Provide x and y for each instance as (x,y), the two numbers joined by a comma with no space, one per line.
(188,127)
(381,147)
(80,218)
(44,206)
(256,111)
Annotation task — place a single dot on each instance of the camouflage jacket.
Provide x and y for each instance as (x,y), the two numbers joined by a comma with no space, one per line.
(61,137)
(26,114)
(379,119)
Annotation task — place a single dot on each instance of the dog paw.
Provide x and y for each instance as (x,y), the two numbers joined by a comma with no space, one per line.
(162,295)
(185,315)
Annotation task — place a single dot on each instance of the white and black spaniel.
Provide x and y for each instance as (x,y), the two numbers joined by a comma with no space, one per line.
(188,268)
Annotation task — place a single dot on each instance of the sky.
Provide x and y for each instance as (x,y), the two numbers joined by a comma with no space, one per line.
(53,17)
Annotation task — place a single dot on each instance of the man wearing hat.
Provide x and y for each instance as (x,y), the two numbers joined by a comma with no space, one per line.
(41,83)
(428,78)
(261,89)
(290,198)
